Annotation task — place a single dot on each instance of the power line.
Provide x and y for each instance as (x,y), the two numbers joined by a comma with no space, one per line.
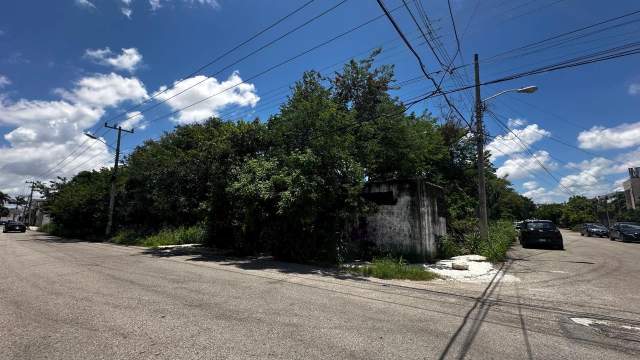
(608,54)
(233,63)
(565,34)
(420,62)
(526,148)
(273,67)
(221,56)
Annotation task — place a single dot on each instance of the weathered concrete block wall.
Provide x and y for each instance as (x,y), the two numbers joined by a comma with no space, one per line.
(407,220)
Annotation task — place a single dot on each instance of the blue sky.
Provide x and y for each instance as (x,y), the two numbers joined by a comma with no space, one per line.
(69,65)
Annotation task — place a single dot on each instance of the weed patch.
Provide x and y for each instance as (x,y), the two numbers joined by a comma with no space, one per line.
(390,268)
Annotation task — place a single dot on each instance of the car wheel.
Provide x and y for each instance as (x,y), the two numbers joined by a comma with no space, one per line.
(560,247)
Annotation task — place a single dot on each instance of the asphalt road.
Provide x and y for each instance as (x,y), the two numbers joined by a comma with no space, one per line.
(78,300)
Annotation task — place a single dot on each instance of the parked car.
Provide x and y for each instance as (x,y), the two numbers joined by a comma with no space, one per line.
(540,232)
(625,231)
(590,229)
(2,222)
(14,226)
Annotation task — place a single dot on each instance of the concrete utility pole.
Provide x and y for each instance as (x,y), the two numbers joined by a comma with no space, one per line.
(482,190)
(114,173)
(27,209)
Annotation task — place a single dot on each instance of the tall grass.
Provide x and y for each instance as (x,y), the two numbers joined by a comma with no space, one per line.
(390,268)
(179,236)
(502,234)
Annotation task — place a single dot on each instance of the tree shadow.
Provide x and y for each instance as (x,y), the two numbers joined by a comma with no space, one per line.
(53,239)
(261,262)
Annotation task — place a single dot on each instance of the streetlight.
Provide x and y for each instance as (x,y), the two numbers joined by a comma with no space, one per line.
(480,105)
(523,90)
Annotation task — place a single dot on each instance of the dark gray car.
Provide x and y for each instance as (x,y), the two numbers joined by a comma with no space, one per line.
(625,231)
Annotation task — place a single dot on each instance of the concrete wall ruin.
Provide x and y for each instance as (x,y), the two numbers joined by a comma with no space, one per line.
(407,221)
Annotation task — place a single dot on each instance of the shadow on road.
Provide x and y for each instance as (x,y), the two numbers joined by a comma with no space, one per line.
(51,239)
(483,306)
(204,254)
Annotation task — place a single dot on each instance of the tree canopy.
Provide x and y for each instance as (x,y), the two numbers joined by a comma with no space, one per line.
(289,185)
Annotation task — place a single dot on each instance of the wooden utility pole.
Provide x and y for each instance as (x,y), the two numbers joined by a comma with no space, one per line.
(27,209)
(482,190)
(114,174)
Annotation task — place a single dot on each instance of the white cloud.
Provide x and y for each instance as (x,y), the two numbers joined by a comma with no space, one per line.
(510,144)
(126,12)
(126,8)
(212,3)
(521,166)
(530,185)
(134,120)
(105,90)
(593,177)
(128,60)
(619,137)
(218,95)
(4,81)
(45,132)
(155,5)
(514,123)
(85,3)
(634,89)
(541,195)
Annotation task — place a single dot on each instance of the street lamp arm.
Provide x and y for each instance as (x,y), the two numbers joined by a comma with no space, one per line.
(526,90)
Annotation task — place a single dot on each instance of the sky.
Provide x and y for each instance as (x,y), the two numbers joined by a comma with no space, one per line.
(69,66)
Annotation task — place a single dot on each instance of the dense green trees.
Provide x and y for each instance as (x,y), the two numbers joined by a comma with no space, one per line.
(290,185)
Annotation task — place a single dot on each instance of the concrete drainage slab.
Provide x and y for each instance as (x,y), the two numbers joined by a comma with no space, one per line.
(469,268)
(611,328)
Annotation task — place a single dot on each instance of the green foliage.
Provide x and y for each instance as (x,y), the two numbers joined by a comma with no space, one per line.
(551,212)
(179,236)
(390,268)
(577,210)
(127,237)
(49,228)
(501,236)
(449,247)
(183,235)
(79,207)
(291,185)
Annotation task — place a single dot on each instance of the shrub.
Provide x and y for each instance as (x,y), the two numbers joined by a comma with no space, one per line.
(449,247)
(127,237)
(390,268)
(182,235)
(49,228)
(501,236)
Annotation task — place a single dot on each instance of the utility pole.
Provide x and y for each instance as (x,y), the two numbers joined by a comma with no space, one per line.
(114,174)
(482,191)
(27,209)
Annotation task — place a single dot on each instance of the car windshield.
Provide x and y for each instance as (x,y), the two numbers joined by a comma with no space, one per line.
(542,225)
(630,227)
(598,227)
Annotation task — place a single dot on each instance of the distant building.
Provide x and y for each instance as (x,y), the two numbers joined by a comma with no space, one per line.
(632,189)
